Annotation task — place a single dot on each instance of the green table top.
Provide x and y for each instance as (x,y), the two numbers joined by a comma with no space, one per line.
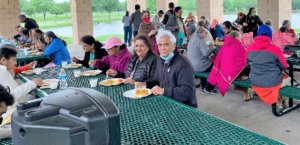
(161,120)
(21,57)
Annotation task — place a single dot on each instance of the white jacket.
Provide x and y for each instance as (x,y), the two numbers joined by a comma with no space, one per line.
(20,93)
(16,90)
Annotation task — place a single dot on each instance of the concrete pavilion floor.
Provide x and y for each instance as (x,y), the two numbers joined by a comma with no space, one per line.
(253,115)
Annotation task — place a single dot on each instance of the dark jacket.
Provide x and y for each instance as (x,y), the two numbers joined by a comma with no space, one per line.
(136,20)
(217,32)
(266,63)
(30,24)
(144,70)
(99,54)
(177,78)
(253,23)
(168,14)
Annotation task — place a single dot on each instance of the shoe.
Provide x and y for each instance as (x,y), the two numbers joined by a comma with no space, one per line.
(211,92)
(198,86)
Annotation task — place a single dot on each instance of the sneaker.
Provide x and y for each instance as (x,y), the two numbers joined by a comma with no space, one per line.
(211,92)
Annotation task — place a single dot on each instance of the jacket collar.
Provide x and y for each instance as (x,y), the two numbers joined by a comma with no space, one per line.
(169,62)
(3,68)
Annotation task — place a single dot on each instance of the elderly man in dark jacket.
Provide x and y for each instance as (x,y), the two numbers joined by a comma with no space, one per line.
(173,74)
(29,22)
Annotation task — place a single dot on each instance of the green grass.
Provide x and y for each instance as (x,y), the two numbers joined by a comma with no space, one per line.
(101,38)
(297,30)
(64,20)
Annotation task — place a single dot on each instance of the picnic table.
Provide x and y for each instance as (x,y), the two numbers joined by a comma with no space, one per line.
(23,59)
(159,119)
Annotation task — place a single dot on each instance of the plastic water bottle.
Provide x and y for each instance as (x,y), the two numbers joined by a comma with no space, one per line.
(62,79)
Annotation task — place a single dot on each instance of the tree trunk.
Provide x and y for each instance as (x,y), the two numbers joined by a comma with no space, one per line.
(44,15)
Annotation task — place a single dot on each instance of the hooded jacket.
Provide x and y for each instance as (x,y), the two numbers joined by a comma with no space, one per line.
(266,62)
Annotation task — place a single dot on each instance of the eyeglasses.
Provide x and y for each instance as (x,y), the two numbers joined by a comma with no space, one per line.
(164,45)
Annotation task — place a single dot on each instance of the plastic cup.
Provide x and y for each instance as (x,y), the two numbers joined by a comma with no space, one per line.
(64,64)
(77,73)
(38,71)
(93,82)
(53,86)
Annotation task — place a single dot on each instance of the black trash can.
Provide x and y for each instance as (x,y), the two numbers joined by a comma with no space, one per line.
(70,117)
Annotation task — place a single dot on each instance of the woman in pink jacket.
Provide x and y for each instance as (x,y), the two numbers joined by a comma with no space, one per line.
(118,58)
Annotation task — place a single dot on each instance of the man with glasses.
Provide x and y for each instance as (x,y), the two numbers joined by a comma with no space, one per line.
(173,74)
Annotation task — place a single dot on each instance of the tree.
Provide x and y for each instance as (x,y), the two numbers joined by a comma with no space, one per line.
(109,6)
(56,10)
(65,6)
(42,6)
(29,9)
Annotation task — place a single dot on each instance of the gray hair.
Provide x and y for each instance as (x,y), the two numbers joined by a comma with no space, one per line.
(235,34)
(165,33)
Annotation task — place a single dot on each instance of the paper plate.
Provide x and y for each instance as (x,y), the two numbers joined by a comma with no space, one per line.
(112,82)
(91,73)
(132,93)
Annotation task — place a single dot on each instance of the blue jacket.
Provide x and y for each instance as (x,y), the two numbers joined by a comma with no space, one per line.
(57,51)
(217,32)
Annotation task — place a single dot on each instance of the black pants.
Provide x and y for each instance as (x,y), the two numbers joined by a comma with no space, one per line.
(204,83)
(135,33)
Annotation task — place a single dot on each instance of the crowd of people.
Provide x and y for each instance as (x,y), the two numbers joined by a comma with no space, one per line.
(157,63)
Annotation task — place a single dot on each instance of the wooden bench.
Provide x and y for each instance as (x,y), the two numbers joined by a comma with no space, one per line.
(287,91)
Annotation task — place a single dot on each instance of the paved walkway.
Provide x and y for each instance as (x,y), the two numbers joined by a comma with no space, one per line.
(253,115)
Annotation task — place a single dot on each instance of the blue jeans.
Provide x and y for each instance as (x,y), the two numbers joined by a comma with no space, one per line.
(127,34)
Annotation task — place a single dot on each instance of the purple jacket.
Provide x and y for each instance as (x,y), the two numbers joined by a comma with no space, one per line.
(118,63)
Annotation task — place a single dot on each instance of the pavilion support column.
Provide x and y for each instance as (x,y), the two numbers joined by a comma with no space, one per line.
(131,5)
(9,11)
(276,10)
(164,4)
(211,9)
(82,19)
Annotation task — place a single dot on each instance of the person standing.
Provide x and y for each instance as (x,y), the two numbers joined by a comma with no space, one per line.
(136,19)
(251,22)
(156,20)
(29,22)
(169,13)
(176,26)
(127,29)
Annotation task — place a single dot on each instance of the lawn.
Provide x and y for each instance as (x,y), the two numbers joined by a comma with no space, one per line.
(297,30)
(64,20)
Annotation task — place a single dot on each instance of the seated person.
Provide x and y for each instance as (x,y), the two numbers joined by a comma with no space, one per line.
(8,55)
(93,50)
(16,37)
(174,75)
(286,28)
(142,66)
(266,63)
(25,38)
(199,52)
(228,27)
(37,34)
(6,100)
(116,62)
(216,30)
(56,49)
(20,69)
(229,63)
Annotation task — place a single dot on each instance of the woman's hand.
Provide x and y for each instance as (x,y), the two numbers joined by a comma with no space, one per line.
(74,59)
(92,63)
(152,32)
(39,82)
(129,80)
(111,72)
